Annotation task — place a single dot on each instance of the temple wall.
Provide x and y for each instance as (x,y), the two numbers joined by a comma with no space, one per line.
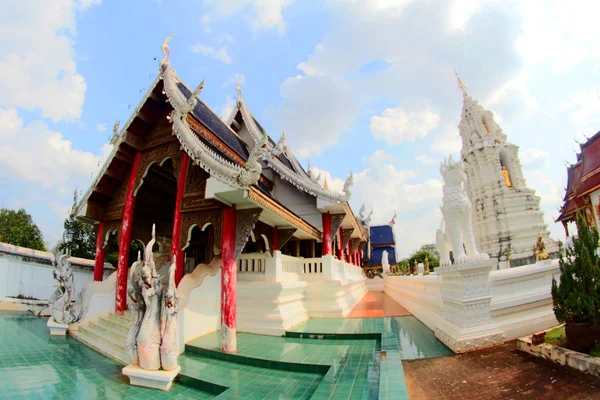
(28,273)
(521,301)
(302,204)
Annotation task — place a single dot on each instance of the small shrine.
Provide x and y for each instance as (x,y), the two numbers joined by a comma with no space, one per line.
(381,239)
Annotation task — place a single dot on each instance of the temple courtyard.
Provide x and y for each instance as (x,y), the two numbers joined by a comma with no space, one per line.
(378,351)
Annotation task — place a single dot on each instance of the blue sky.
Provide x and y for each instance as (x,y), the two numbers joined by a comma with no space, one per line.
(357,85)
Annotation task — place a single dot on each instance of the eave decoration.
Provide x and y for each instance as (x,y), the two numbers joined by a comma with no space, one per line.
(201,154)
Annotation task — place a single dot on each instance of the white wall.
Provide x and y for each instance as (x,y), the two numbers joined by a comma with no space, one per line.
(26,272)
(521,297)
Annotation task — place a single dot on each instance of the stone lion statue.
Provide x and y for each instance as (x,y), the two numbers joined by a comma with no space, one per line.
(456,228)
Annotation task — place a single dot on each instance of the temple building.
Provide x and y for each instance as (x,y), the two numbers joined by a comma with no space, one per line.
(583,186)
(506,213)
(218,190)
(381,238)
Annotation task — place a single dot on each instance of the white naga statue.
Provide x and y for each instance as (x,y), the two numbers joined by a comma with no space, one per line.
(456,216)
(385,263)
(152,341)
(64,308)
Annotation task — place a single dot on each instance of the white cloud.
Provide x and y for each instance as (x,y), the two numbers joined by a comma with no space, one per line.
(10,123)
(448,141)
(101,127)
(267,14)
(220,54)
(461,12)
(88,3)
(397,126)
(314,112)
(42,156)
(584,108)
(385,188)
(425,159)
(37,64)
(515,98)
(227,108)
(533,158)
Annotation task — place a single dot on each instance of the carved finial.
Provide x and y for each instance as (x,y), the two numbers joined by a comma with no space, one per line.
(238,88)
(308,167)
(325,184)
(148,251)
(165,48)
(461,85)
(115,134)
(192,100)
(393,221)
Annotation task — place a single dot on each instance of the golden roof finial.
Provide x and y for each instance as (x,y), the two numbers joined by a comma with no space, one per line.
(326,184)
(461,85)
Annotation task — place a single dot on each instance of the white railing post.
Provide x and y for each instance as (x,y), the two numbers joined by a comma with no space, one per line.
(328,267)
(274,267)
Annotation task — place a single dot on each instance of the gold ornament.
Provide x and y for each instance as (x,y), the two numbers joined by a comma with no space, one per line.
(506,177)
(539,249)
(426,270)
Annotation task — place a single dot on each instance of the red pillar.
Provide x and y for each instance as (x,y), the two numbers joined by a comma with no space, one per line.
(228,282)
(348,253)
(356,259)
(340,251)
(326,233)
(99,264)
(175,245)
(275,239)
(125,241)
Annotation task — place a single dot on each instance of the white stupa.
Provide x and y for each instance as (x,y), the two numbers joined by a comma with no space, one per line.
(506,213)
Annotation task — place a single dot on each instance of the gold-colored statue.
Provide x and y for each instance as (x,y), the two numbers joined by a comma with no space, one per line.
(426,269)
(540,249)
(416,268)
(506,177)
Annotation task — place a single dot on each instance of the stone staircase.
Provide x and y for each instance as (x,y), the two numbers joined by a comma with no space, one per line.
(107,335)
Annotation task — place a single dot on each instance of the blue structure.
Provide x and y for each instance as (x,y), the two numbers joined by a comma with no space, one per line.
(381,238)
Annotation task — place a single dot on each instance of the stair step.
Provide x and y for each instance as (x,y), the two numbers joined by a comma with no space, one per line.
(104,327)
(104,336)
(119,320)
(101,347)
(123,330)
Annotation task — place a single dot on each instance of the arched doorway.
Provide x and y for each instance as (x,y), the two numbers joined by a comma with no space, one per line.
(199,248)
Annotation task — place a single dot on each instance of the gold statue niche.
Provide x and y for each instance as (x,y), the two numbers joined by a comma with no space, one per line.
(506,175)
(540,249)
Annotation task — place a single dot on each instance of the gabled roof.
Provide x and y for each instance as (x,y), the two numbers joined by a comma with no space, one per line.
(583,177)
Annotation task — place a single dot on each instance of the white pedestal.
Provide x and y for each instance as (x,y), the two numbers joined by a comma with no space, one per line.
(467,323)
(152,379)
(57,329)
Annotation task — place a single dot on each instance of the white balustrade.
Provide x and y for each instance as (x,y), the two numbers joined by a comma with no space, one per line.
(252,263)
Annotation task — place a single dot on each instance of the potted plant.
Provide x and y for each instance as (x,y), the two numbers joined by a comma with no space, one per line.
(577,298)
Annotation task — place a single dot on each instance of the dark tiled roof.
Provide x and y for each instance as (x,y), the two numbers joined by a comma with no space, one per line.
(205,115)
(377,252)
(382,234)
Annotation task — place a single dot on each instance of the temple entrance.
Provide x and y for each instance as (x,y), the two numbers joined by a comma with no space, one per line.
(155,205)
(200,249)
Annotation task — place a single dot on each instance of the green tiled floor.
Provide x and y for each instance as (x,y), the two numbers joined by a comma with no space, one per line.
(402,338)
(352,361)
(34,365)
(249,382)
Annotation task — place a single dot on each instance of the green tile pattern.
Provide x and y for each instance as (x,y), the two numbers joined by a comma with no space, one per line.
(244,381)
(402,338)
(34,365)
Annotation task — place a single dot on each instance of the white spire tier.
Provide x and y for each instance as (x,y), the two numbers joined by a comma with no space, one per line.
(506,213)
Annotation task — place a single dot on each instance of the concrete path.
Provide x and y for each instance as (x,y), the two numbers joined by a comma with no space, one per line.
(377,304)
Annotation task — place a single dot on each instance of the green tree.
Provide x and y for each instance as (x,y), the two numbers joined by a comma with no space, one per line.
(79,239)
(420,256)
(432,249)
(17,228)
(577,298)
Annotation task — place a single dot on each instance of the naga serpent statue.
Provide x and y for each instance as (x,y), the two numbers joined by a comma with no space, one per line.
(63,308)
(169,347)
(152,340)
(148,339)
(456,212)
(138,307)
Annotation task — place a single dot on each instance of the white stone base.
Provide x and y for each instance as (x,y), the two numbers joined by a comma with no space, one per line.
(57,329)
(462,340)
(152,379)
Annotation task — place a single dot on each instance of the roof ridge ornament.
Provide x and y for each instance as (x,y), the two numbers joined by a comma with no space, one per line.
(115,135)
(192,100)
(165,50)
(461,85)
